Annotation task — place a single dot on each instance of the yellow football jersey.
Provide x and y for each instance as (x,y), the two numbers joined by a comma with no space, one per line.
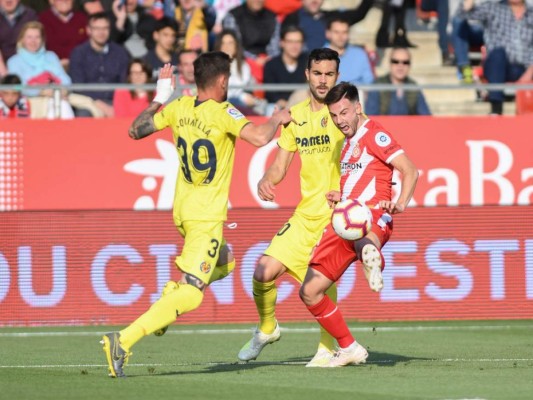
(204,134)
(319,143)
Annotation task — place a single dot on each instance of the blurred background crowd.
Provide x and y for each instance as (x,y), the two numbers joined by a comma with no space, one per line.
(65,42)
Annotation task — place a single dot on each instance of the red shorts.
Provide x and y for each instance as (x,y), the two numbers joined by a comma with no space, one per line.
(333,254)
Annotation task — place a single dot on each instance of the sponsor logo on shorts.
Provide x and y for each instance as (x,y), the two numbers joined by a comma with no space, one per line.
(234,113)
(382,139)
(205,267)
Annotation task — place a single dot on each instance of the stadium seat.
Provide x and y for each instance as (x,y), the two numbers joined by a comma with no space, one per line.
(524,101)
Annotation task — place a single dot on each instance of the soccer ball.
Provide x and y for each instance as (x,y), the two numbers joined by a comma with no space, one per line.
(351,220)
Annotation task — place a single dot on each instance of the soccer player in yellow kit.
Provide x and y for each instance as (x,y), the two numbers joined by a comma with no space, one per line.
(204,128)
(319,142)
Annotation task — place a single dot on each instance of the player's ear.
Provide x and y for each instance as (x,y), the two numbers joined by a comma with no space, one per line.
(358,107)
(222,82)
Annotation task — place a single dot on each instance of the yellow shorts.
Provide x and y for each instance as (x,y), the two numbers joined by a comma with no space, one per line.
(203,240)
(294,243)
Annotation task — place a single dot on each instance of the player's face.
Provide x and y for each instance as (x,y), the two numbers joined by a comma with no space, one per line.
(32,40)
(321,77)
(345,116)
(338,34)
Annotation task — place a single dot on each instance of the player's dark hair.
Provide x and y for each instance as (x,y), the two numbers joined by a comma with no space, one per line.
(323,54)
(209,66)
(340,91)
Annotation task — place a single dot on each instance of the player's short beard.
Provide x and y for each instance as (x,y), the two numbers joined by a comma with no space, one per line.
(316,95)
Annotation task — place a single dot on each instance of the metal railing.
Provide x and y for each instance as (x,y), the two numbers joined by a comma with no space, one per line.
(97,87)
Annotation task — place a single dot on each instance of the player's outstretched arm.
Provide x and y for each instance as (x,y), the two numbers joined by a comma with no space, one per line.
(274,175)
(409,177)
(143,125)
(260,134)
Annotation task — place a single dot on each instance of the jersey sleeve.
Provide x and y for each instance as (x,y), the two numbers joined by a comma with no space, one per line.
(384,146)
(287,139)
(233,120)
(163,117)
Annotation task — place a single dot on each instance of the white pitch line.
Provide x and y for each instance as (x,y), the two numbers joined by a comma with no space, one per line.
(287,330)
(435,360)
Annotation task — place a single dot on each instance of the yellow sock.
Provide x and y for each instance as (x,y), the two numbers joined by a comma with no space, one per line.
(326,340)
(265,295)
(162,313)
(221,271)
(131,335)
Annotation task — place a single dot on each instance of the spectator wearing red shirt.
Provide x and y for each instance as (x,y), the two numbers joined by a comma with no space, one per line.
(130,103)
(64,28)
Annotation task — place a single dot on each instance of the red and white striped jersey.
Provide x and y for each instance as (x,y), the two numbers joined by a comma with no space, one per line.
(366,173)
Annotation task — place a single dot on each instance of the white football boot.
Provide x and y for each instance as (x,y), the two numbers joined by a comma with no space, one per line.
(351,355)
(321,359)
(372,260)
(252,349)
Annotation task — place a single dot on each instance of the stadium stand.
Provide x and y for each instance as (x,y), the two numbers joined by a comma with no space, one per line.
(427,67)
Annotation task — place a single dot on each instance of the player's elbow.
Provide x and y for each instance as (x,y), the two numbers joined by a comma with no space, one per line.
(132,133)
(257,140)
(261,141)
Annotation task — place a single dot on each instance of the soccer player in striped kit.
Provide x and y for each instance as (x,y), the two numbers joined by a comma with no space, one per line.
(368,158)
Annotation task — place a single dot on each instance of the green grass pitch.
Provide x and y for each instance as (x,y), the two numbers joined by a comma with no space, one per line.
(417,360)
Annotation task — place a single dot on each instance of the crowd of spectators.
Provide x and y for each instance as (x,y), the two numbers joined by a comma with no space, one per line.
(127,41)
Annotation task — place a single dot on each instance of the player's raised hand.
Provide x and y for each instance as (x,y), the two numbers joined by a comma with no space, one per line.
(333,197)
(266,190)
(167,71)
(165,83)
(392,207)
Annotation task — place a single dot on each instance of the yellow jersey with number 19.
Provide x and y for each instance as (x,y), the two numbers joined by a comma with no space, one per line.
(319,143)
(204,134)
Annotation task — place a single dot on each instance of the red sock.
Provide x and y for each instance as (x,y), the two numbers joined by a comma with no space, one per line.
(330,318)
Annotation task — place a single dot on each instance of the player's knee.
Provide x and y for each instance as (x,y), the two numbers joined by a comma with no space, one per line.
(306,294)
(227,269)
(221,271)
(191,298)
(267,269)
